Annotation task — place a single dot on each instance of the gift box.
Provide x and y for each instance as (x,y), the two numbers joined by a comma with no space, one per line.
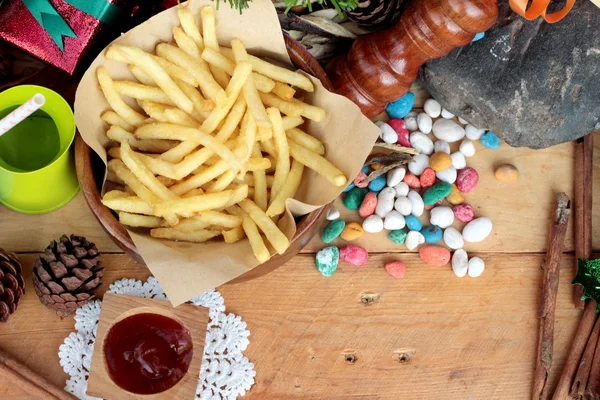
(63,33)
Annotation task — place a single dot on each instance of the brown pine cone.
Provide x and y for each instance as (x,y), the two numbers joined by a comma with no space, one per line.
(377,14)
(68,274)
(12,285)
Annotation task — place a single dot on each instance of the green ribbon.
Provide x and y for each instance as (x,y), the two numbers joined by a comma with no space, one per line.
(53,23)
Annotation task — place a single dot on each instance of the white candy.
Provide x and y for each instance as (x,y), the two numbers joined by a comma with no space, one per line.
(458,160)
(447,114)
(395,176)
(467,148)
(418,164)
(402,189)
(448,130)
(424,122)
(414,239)
(432,108)
(421,142)
(416,201)
(388,134)
(411,121)
(462,121)
(476,267)
(441,145)
(460,263)
(385,201)
(453,238)
(373,224)
(477,230)
(473,133)
(394,220)
(403,205)
(441,216)
(333,213)
(447,175)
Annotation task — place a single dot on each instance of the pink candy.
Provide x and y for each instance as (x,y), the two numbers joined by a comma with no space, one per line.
(361,178)
(464,212)
(354,255)
(368,205)
(467,179)
(412,181)
(400,127)
(396,269)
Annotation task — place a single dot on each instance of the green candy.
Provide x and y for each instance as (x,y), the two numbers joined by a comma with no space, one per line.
(333,230)
(354,198)
(436,193)
(398,236)
(327,260)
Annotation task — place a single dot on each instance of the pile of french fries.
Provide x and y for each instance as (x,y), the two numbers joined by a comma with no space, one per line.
(208,152)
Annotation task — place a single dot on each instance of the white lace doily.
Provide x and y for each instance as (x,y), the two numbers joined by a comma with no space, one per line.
(225,372)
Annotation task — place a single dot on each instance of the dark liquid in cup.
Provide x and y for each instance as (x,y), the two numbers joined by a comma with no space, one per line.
(30,145)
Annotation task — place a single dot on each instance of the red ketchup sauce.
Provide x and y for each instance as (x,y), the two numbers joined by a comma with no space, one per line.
(147,353)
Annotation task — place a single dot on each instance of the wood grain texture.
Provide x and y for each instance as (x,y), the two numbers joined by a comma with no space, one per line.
(117,307)
(380,67)
(470,337)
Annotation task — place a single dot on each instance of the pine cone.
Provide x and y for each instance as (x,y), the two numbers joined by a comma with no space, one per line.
(12,285)
(68,274)
(377,14)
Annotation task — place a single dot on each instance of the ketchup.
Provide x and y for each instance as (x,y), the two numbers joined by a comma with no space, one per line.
(147,353)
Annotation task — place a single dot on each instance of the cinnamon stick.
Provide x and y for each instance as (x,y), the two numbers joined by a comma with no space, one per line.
(549,290)
(580,381)
(584,166)
(18,373)
(593,384)
(586,324)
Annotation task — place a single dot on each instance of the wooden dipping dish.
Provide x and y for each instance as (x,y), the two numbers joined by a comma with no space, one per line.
(116,307)
(90,171)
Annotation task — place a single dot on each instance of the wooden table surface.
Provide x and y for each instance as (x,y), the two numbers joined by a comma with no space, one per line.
(345,336)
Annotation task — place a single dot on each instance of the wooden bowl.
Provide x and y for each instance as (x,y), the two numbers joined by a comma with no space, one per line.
(90,171)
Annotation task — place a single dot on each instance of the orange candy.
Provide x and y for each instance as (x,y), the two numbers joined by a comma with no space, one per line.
(434,255)
(412,181)
(427,177)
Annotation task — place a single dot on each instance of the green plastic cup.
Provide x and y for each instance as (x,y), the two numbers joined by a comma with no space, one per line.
(37,167)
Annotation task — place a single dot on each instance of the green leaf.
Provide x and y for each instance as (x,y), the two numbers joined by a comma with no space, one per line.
(588,276)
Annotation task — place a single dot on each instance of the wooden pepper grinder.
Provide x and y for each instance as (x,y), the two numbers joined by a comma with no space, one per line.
(380,67)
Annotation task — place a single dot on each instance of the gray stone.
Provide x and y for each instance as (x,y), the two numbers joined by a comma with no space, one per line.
(534,84)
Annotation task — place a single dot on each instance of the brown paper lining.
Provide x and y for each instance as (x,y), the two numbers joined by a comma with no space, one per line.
(188,269)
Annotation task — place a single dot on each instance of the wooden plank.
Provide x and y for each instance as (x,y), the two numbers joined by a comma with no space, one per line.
(473,337)
(32,233)
(518,210)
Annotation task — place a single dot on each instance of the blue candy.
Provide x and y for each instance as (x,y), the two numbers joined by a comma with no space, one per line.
(401,107)
(377,184)
(490,140)
(349,187)
(365,169)
(413,223)
(432,233)
(478,36)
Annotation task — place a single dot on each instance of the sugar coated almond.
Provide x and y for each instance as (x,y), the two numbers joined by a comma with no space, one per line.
(327,260)
(506,173)
(467,179)
(352,231)
(464,212)
(440,161)
(368,205)
(354,255)
(455,197)
(396,269)
(434,255)
(333,230)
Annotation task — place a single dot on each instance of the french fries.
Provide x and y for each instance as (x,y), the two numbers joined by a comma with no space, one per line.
(208,153)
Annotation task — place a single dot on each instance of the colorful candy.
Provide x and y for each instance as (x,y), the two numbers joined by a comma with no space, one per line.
(506,173)
(467,179)
(434,255)
(368,205)
(333,230)
(440,161)
(397,236)
(401,107)
(377,184)
(327,260)
(352,231)
(354,255)
(437,192)
(413,223)
(396,269)
(432,233)
(464,212)
(490,140)
(354,198)
(427,178)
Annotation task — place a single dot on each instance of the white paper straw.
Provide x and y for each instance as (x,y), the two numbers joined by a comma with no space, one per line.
(24,111)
